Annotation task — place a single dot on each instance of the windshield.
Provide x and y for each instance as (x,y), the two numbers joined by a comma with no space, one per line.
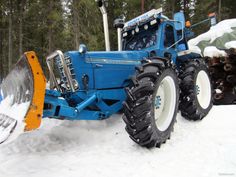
(140,40)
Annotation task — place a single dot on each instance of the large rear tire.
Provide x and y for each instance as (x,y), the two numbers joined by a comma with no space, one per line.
(152,103)
(196,90)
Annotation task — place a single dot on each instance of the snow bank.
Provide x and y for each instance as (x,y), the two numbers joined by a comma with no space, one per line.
(215,31)
(209,41)
(231,44)
(212,51)
(15,111)
(195,49)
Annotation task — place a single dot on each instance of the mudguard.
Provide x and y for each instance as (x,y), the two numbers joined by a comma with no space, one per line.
(23,90)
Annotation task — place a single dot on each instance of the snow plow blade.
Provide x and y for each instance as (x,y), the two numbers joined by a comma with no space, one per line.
(22,98)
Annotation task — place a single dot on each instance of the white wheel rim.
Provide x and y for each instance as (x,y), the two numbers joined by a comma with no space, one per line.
(203,89)
(165,103)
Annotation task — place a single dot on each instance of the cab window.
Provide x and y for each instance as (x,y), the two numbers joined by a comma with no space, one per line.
(169,36)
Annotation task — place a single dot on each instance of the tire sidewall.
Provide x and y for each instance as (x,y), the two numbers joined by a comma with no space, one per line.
(201,109)
(166,133)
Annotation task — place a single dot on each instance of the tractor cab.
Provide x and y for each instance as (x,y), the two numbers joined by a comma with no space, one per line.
(155,33)
(141,33)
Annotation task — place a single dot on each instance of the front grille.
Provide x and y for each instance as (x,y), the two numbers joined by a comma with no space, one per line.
(64,81)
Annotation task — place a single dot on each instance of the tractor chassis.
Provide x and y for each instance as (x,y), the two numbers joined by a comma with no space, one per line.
(94,104)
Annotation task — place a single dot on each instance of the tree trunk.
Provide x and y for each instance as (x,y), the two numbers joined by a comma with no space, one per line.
(76,23)
(10,36)
(22,4)
(4,53)
(219,10)
(50,25)
(173,4)
(185,8)
(50,42)
(1,45)
(142,6)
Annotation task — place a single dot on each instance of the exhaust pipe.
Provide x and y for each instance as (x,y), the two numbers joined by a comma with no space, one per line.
(119,24)
(102,8)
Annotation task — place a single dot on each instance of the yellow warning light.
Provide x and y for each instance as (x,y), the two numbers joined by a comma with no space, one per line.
(188,24)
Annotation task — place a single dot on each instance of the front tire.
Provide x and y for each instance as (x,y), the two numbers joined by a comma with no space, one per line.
(196,90)
(152,103)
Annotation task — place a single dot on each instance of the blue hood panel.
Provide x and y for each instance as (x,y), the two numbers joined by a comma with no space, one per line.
(105,70)
(119,55)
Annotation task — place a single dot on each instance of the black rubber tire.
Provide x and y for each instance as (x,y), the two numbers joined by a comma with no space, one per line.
(189,104)
(139,106)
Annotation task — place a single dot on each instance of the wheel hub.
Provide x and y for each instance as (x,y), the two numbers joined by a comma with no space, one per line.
(160,100)
(197,90)
(157,102)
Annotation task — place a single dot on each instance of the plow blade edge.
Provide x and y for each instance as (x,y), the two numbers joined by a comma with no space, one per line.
(22,97)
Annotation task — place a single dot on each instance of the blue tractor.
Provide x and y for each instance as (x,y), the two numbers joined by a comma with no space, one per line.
(151,77)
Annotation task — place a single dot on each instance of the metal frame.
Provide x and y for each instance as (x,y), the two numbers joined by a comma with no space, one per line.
(66,70)
(57,106)
(182,35)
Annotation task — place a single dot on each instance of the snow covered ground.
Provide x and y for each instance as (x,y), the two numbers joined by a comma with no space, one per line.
(15,111)
(103,149)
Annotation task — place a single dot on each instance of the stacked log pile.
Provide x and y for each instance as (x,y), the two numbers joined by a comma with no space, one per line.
(223,75)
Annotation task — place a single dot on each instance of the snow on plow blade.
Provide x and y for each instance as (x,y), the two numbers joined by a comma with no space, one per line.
(22,98)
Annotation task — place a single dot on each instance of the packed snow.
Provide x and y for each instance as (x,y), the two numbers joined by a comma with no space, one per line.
(212,51)
(103,149)
(14,111)
(195,49)
(215,32)
(231,44)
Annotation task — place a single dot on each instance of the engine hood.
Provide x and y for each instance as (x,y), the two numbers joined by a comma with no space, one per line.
(117,56)
(105,70)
